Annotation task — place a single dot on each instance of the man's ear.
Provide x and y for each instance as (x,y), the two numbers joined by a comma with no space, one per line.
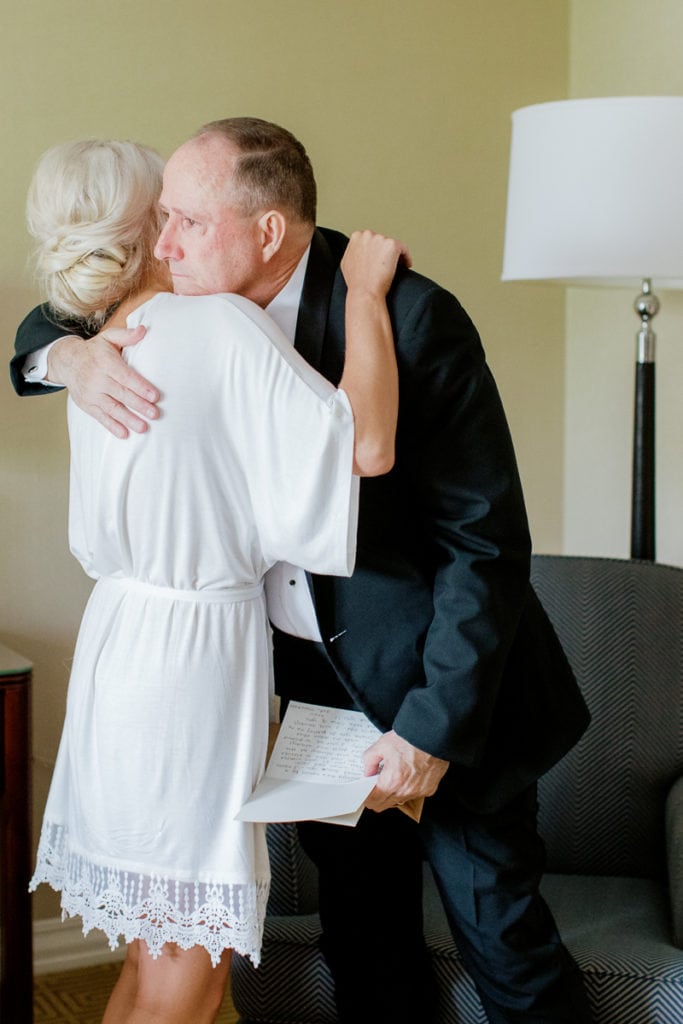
(273,227)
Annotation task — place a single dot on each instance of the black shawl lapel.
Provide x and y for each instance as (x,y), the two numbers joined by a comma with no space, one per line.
(312,322)
(321,319)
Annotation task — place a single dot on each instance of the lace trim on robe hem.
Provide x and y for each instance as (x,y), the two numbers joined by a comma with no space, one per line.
(131,905)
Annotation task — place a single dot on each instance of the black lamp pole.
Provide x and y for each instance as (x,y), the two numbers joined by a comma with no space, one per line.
(643,497)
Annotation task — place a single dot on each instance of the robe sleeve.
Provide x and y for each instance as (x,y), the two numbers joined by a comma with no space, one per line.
(273,419)
(294,432)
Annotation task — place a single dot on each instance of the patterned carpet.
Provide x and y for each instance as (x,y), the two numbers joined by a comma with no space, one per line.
(79,997)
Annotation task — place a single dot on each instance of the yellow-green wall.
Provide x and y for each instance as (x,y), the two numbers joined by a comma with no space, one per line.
(405,108)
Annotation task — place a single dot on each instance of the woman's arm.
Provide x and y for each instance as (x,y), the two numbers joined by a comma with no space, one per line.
(370,377)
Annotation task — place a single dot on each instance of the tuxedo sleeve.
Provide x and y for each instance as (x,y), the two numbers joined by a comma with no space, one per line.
(34,332)
(470,504)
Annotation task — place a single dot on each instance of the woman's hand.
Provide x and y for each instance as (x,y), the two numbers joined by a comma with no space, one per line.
(370,262)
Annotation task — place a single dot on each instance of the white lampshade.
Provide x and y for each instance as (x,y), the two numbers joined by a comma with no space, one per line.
(595,192)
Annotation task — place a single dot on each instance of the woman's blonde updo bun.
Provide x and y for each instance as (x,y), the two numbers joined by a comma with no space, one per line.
(93,210)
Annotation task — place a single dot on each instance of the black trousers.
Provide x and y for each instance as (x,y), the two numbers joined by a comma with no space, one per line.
(487,869)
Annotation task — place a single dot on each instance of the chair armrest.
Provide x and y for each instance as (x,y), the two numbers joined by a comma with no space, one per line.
(674,856)
(294,878)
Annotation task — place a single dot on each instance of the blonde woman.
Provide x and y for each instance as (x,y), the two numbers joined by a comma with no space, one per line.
(254,458)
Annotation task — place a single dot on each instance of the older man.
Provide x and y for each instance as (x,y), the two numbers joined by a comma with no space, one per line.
(438,636)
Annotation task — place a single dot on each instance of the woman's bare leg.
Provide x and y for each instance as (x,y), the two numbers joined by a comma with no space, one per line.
(178,987)
(122,998)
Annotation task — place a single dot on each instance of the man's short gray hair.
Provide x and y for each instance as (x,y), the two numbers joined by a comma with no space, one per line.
(273,169)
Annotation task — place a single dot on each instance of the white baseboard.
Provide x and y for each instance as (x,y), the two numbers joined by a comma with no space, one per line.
(61,946)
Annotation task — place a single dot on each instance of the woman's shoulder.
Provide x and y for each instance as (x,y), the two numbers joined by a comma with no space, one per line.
(204,310)
(207,329)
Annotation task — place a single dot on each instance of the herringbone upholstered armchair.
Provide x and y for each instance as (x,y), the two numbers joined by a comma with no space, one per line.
(611,814)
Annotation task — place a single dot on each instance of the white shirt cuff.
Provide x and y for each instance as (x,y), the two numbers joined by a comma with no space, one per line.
(35,366)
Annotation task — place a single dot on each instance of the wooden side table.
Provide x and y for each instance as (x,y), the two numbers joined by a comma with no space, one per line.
(16,940)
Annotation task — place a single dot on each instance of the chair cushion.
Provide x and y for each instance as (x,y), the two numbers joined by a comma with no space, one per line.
(623,946)
(618,930)
(292,985)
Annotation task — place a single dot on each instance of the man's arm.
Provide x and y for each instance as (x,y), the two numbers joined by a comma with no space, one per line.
(464,471)
(467,488)
(34,333)
(98,378)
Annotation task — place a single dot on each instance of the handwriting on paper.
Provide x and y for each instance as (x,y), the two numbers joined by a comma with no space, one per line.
(320,744)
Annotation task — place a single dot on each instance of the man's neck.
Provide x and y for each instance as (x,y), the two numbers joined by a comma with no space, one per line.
(284,308)
(281,267)
(276,283)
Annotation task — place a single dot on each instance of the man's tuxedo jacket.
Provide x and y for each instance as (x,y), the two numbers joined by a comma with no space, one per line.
(438,634)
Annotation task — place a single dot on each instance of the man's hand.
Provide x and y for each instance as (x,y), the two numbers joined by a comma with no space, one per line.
(100,381)
(406,772)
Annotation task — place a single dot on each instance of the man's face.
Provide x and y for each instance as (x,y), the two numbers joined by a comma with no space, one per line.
(209,245)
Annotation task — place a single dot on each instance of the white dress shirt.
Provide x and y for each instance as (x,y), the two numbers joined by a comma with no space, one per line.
(290,605)
(35,366)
